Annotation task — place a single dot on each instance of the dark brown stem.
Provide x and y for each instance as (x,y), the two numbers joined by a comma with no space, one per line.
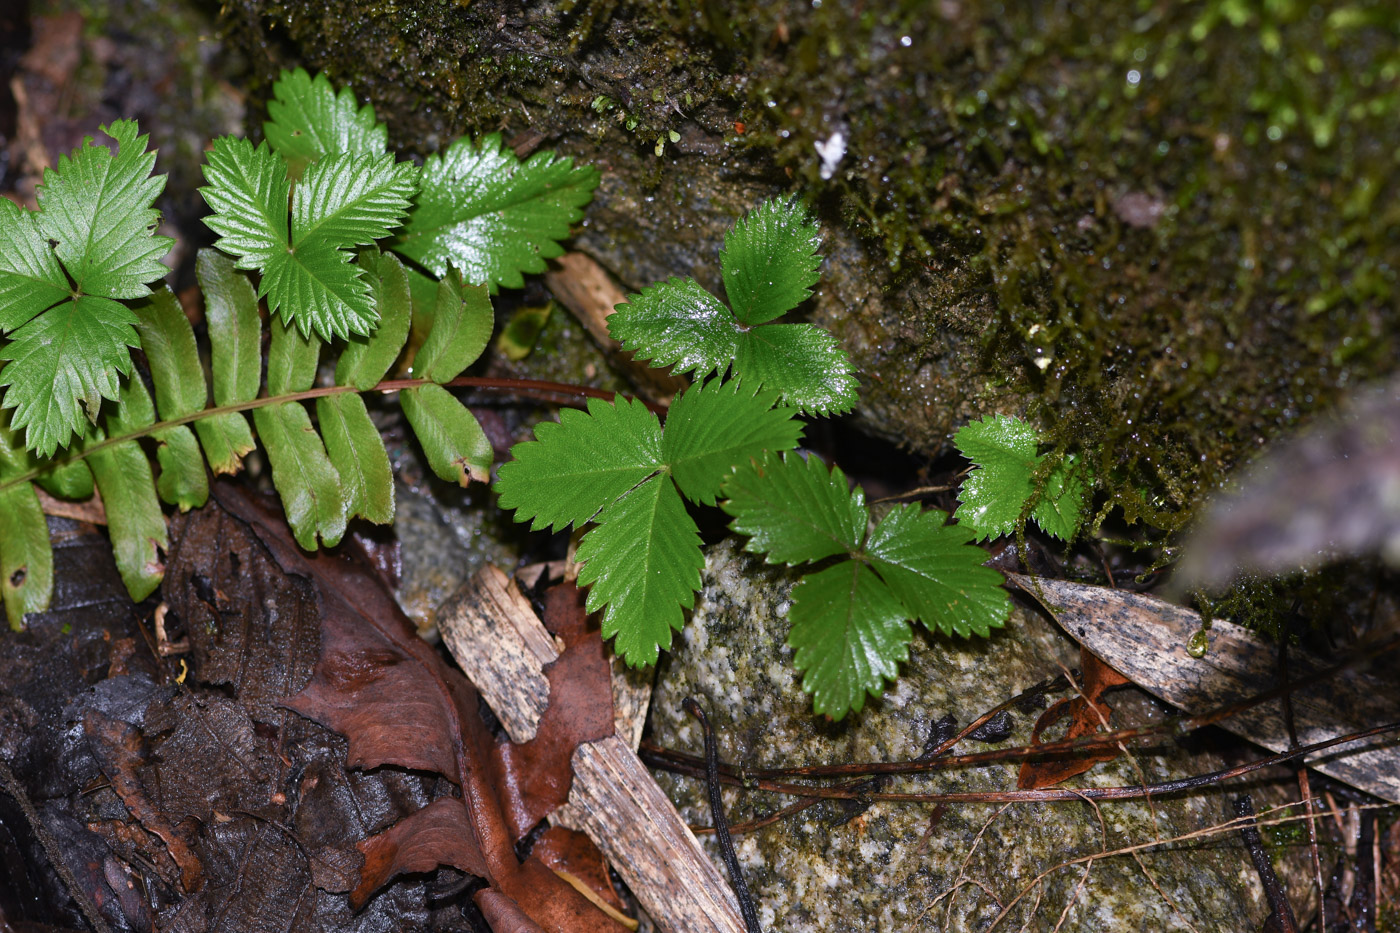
(533,387)
(1281,912)
(726,844)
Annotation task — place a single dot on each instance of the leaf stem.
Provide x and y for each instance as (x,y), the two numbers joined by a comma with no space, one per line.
(536,387)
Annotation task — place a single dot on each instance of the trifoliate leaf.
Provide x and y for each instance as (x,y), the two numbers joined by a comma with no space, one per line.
(461,326)
(97,207)
(615,466)
(849,634)
(770,264)
(574,468)
(343,200)
(353,441)
(366,360)
(31,280)
(483,212)
(71,341)
(73,353)
(770,261)
(310,120)
(453,441)
(1003,453)
(713,427)
(642,562)
(936,574)
(794,511)
(848,621)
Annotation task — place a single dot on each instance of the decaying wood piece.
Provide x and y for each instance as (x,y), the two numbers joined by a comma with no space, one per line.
(501,646)
(613,797)
(1145,638)
(586,289)
(617,803)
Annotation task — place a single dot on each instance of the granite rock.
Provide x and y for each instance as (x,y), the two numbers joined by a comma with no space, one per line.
(841,867)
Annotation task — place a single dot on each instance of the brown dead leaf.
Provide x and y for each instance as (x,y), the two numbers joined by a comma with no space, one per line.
(1087,713)
(397,702)
(117,747)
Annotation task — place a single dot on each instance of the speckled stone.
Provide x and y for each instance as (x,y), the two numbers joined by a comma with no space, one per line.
(902,867)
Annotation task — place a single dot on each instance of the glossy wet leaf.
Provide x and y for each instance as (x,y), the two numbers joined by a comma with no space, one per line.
(461,326)
(769,265)
(1003,451)
(482,211)
(641,562)
(310,119)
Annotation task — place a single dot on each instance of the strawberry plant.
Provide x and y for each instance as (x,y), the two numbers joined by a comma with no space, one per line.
(616,472)
(351,250)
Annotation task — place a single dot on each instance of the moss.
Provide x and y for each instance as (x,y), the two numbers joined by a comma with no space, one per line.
(1157,229)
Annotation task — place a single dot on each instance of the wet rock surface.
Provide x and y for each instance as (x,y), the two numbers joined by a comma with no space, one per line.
(842,866)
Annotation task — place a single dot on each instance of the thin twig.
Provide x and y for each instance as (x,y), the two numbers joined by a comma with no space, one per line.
(1045,794)
(726,844)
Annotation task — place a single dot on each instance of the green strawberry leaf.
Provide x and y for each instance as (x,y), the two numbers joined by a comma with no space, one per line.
(343,200)
(713,427)
(584,462)
(940,580)
(849,621)
(97,207)
(641,562)
(769,265)
(794,511)
(31,279)
(483,212)
(310,120)
(849,634)
(1005,463)
(63,363)
(770,261)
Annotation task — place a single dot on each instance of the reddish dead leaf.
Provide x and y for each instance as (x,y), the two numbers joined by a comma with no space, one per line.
(397,702)
(436,835)
(1087,714)
(566,850)
(535,776)
(504,915)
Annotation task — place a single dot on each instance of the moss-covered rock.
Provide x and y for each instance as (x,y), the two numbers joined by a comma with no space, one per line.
(1159,229)
(838,867)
